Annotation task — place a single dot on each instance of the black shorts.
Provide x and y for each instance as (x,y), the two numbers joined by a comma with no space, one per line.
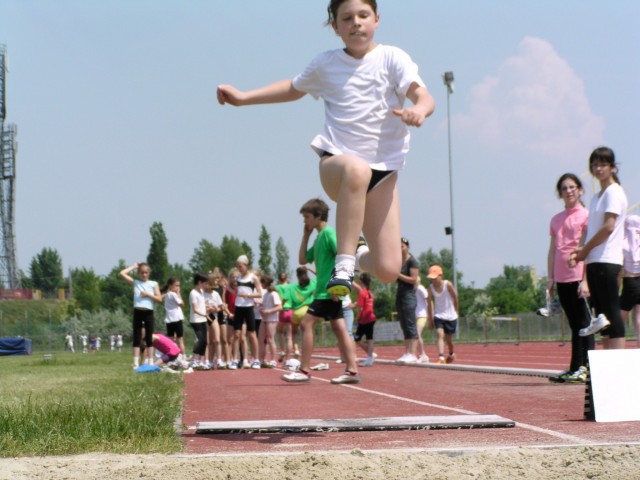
(326,309)
(175,329)
(449,326)
(244,315)
(222,319)
(630,293)
(364,330)
(377,176)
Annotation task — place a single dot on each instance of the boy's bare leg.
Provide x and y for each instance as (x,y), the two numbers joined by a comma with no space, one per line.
(345,179)
(307,325)
(381,228)
(345,344)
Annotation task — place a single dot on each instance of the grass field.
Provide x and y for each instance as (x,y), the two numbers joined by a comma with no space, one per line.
(81,403)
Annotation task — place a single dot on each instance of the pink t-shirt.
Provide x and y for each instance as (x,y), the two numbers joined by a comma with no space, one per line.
(568,227)
(165,345)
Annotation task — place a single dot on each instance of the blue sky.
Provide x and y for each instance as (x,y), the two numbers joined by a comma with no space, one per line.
(118,125)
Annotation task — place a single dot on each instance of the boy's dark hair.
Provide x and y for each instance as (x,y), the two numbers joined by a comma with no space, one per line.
(332,9)
(200,278)
(317,208)
(365,279)
(303,276)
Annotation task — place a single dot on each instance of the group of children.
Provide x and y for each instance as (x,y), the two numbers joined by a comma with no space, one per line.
(591,254)
(93,343)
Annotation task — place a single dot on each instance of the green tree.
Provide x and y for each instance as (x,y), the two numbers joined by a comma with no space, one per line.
(282,258)
(205,257)
(513,291)
(157,257)
(264,262)
(232,248)
(46,271)
(443,258)
(87,289)
(117,295)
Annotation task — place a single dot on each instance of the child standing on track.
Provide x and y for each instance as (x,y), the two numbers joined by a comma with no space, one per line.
(365,139)
(443,311)
(198,320)
(602,252)
(270,308)
(325,306)
(366,319)
(145,292)
(630,298)
(174,317)
(567,229)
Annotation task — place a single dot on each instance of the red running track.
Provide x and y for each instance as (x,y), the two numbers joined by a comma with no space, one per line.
(545,414)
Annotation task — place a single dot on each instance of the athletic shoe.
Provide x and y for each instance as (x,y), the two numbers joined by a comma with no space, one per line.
(361,248)
(272,364)
(367,362)
(596,325)
(320,366)
(579,376)
(346,377)
(441,360)
(423,359)
(246,364)
(407,358)
(221,365)
(296,377)
(255,365)
(341,280)
(233,365)
(561,377)
(339,360)
(451,358)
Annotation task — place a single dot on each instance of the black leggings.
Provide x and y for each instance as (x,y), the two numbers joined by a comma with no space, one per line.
(603,286)
(200,345)
(575,308)
(142,318)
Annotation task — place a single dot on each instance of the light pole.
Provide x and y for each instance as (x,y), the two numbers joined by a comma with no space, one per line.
(448,81)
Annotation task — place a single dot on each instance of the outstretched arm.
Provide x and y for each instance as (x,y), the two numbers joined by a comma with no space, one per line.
(278,92)
(423,106)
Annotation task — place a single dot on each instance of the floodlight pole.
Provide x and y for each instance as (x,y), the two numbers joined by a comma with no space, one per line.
(448,81)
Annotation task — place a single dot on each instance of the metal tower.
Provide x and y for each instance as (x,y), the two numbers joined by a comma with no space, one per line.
(9,277)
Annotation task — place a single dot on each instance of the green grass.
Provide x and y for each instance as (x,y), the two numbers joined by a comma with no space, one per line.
(79,403)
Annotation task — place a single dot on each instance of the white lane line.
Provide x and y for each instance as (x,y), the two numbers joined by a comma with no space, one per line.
(553,433)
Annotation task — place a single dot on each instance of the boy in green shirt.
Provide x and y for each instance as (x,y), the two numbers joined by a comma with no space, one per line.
(323,253)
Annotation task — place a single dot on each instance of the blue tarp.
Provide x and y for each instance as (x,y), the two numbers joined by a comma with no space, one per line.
(15,346)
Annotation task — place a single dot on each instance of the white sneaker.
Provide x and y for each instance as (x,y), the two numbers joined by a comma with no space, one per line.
(346,378)
(339,361)
(246,364)
(423,359)
(296,377)
(255,365)
(407,358)
(320,366)
(367,362)
(233,365)
(596,325)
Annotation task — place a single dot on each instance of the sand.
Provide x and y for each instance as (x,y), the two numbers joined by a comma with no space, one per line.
(592,462)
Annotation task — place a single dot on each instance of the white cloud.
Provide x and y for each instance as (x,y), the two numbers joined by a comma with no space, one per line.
(535,104)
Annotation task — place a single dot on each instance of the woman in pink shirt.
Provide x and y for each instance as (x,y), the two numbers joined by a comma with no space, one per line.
(567,230)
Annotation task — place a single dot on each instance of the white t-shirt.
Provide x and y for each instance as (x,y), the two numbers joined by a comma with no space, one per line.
(269,301)
(443,306)
(212,298)
(196,298)
(173,308)
(612,200)
(359,96)
(246,286)
(421,297)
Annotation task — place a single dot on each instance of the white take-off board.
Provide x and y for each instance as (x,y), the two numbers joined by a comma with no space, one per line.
(615,384)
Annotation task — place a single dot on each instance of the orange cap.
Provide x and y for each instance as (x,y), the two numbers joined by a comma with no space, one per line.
(434,271)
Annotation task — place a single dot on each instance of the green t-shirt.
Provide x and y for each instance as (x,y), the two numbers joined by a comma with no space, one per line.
(301,296)
(285,295)
(323,255)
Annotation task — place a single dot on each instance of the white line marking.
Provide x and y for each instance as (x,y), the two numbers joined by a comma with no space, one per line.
(553,433)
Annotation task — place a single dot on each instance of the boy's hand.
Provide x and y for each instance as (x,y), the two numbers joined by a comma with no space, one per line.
(230,95)
(412,116)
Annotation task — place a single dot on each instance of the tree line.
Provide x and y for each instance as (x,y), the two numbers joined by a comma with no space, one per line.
(516,290)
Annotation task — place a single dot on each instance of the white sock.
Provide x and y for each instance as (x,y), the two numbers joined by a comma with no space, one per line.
(345,262)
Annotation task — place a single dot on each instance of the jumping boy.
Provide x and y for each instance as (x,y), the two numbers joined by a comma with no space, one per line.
(323,253)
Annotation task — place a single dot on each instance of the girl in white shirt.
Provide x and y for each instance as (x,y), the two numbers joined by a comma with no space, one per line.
(365,139)
(270,308)
(602,252)
(174,317)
